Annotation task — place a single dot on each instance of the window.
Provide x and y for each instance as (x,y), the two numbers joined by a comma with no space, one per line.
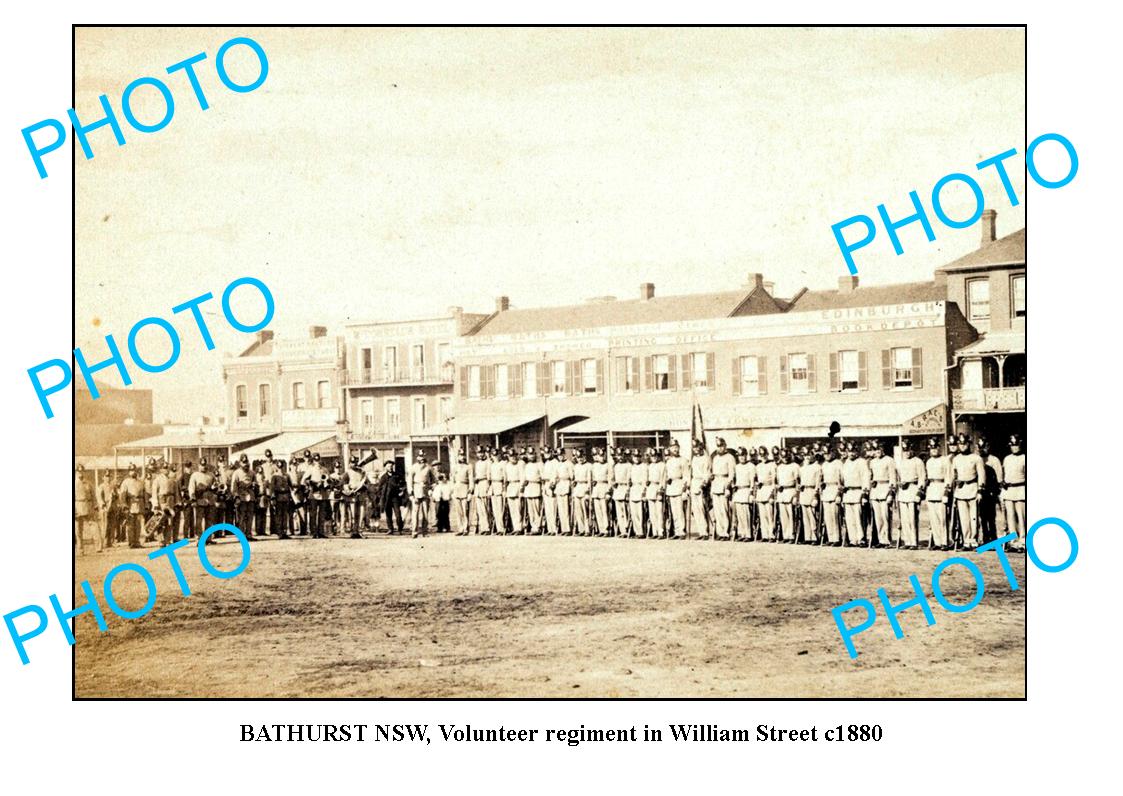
(444,359)
(502,381)
(393,416)
(747,378)
(417,360)
(366,415)
(661,372)
(530,380)
(240,401)
(902,367)
(557,377)
(588,375)
(298,395)
(444,409)
(473,381)
(420,417)
(978,299)
(847,370)
(798,374)
(627,374)
(263,400)
(698,371)
(390,363)
(323,395)
(1018,295)
(365,359)
(972,374)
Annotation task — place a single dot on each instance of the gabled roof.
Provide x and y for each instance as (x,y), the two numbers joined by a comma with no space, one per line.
(1010,250)
(875,295)
(259,348)
(659,309)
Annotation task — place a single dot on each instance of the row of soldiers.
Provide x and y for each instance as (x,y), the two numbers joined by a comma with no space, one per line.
(834,493)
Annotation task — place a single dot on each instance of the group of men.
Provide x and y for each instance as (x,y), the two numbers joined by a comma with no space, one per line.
(834,493)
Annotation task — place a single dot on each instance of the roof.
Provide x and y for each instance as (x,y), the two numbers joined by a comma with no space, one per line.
(872,296)
(1010,250)
(1007,341)
(286,444)
(811,420)
(208,438)
(659,309)
(259,348)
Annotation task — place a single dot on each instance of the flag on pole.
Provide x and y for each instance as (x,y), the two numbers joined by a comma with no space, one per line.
(697,427)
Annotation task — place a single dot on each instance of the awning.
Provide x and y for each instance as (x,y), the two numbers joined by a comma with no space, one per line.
(192,440)
(109,462)
(628,422)
(884,419)
(485,423)
(285,445)
(995,344)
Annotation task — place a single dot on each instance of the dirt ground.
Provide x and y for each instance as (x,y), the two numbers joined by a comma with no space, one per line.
(545,617)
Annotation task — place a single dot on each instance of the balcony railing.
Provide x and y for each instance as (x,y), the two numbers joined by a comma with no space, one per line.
(990,399)
(365,377)
(363,431)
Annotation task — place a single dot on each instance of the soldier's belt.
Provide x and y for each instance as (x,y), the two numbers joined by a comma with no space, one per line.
(1019,483)
(967,480)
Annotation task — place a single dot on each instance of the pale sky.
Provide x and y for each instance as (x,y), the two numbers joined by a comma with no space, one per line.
(390,173)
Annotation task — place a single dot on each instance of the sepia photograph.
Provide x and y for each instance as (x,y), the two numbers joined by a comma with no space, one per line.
(525,362)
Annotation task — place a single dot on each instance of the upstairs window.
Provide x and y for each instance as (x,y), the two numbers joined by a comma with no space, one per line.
(978,299)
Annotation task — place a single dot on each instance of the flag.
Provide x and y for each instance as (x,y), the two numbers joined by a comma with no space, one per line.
(697,427)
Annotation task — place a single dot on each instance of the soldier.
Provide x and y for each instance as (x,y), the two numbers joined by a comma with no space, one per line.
(369,500)
(497,489)
(938,479)
(241,487)
(990,489)
(766,492)
(677,472)
(481,483)
(637,491)
(224,502)
(164,491)
(131,494)
(107,509)
(721,486)
(621,478)
(279,491)
(700,476)
(602,487)
(462,486)
(883,475)
(969,475)
(744,476)
(420,481)
(390,498)
(909,495)
(201,492)
(582,489)
(532,491)
(1014,491)
(563,488)
(354,486)
(855,492)
(654,494)
(513,479)
(336,508)
(549,482)
(85,502)
(787,491)
(831,497)
(810,490)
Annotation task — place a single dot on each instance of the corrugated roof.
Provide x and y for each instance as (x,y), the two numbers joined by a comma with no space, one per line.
(659,309)
(873,296)
(1004,251)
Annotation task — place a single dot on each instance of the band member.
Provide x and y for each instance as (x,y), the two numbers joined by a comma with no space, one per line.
(389,498)
(241,486)
(855,492)
(989,490)
(224,498)
(107,509)
(1014,491)
(481,485)
(498,491)
(131,493)
(676,489)
(336,509)
(418,485)
(563,489)
(810,489)
(721,487)
(314,482)
(909,494)
(163,497)
(656,489)
(831,497)
(700,475)
(299,494)
(369,501)
(787,492)
(354,487)
(201,492)
(86,532)
(279,492)
(883,475)
(462,485)
(744,476)
(621,477)
(513,479)
(582,488)
(766,492)
(602,477)
(938,479)
(969,474)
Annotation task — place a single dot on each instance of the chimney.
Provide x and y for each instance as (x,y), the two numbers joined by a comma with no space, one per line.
(316,332)
(264,336)
(848,283)
(754,281)
(455,312)
(989,217)
(502,304)
(646,291)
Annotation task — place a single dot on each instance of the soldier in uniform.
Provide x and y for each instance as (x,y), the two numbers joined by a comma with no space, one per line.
(621,478)
(390,498)
(417,486)
(85,502)
(909,494)
(201,492)
(532,491)
(513,489)
(637,491)
(354,486)
(810,490)
(701,473)
(602,477)
(563,488)
(481,484)
(938,479)
(549,482)
(969,475)
(766,492)
(656,490)
(462,485)
(279,491)
(989,490)
(831,497)
(855,492)
(165,495)
(497,488)
(721,486)
(107,509)
(131,493)
(312,480)
(241,487)
(787,491)
(883,475)
(1014,491)
(677,472)
(582,488)
(744,476)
